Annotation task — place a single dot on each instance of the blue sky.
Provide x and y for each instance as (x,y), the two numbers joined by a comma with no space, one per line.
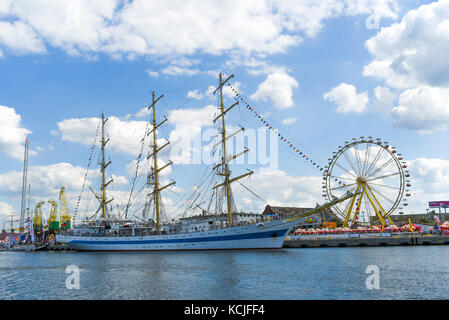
(321,66)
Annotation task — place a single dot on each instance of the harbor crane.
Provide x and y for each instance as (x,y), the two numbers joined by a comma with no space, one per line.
(37,219)
(65,215)
(53,223)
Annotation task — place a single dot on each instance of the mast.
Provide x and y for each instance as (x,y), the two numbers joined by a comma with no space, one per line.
(29,200)
(102,199)
(24,185)
(157,189)
(225,166)
(12,221)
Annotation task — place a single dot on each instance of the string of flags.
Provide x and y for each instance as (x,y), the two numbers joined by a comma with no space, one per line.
(92,148)
(284,139)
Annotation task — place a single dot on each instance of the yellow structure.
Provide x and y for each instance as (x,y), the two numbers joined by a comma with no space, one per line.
(64,210)
(365,189)
(324,206)
(410,225)
(37,219)
(53,223)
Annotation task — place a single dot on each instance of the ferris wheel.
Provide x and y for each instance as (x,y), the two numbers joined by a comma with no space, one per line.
(375,173)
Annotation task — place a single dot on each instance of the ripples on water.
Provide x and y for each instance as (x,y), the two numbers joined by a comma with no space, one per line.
(287,274)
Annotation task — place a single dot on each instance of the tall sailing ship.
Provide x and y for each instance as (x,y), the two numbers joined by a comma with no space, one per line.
(226,229)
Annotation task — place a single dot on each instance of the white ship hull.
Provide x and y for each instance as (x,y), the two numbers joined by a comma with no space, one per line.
(267,235)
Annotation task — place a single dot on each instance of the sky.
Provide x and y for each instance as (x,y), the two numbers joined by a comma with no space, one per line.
(320,73)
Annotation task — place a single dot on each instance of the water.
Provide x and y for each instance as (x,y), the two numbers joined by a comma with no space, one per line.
(287,274)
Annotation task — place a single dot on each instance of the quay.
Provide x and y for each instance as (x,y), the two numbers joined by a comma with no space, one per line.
(365,240)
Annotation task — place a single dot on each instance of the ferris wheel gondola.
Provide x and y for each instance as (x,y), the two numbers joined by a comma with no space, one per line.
(374,172)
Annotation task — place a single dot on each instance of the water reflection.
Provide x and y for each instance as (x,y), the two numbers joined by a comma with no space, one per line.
(324,273)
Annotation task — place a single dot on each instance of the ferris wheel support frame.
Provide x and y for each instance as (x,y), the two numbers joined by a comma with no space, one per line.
(367,172)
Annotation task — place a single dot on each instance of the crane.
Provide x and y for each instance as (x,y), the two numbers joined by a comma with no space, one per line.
(37,219)
(53,223)
(65,215)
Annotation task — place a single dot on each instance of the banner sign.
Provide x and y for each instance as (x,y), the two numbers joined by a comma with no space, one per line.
(439,204)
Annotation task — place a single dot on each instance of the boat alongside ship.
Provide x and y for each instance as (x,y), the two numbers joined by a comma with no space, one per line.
(226,230)
(25,247)
(29,247)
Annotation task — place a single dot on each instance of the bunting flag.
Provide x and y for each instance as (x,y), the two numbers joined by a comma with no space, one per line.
(257,115)
(92,148)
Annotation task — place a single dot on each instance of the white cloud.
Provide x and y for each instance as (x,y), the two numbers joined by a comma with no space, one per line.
(82,130)
(145,166)
(309,16)
(151,73)
(20,38)
(73,26)
(293,191)
(188,125)
(254,65)
(119,180)
(125,136)
(4,7)
(174,70)
(288,121)
(434,173)
(181,67)
(347,99)
(227,91)
(249,26)
(428,182)
(184,62)
(424,109)
(143,113)
(210,91)
(5,213)
(194,94)
(12,135)
(125,28)
(412,55)
(384,99)
(278,87)
(414,51)
(45,180)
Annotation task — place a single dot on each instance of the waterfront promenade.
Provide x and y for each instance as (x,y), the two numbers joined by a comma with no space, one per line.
(365,240)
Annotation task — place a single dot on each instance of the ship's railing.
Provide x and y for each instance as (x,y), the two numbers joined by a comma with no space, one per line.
(175,230)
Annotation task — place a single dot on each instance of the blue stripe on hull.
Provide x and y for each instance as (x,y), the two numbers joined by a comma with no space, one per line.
(245,236)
